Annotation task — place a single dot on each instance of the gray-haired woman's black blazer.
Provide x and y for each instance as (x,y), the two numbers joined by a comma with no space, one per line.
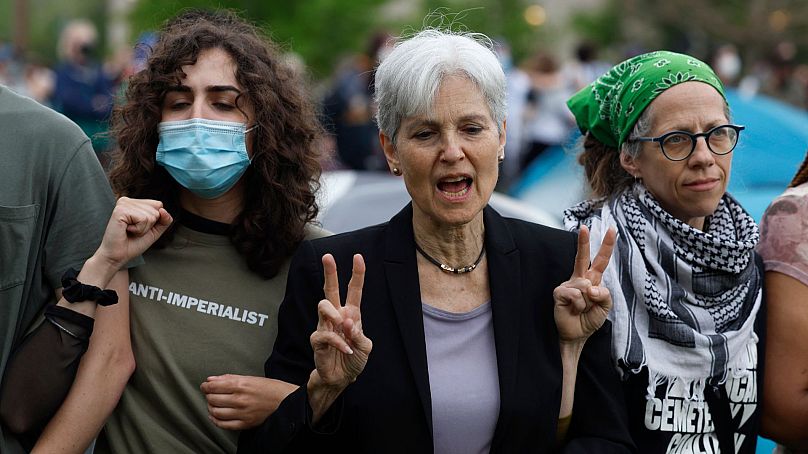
(388,408)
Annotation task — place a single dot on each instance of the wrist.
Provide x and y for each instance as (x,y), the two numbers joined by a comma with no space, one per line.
(571,349)
(98,271)
(82,293)
(317,385)
(570,355)
(321,395)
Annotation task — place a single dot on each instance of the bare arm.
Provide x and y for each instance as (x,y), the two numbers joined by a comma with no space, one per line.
(581,307)
(785,404)
(570,354)
(101,378)
(108,363)
(340,347)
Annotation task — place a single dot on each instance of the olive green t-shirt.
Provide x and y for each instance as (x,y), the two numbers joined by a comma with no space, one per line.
(54,206)
(196,311)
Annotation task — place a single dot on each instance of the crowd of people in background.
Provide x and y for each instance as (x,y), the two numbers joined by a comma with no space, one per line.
(83,85)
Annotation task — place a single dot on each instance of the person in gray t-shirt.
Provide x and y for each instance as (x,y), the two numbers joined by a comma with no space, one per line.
(54,207)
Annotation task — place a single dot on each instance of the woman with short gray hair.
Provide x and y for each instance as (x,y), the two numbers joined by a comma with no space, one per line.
(404,89)
(462,331)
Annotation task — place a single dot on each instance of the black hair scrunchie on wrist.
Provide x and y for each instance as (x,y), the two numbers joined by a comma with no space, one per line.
(73,291)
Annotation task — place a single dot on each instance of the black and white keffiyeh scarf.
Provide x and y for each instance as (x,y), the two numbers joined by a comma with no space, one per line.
(685,300)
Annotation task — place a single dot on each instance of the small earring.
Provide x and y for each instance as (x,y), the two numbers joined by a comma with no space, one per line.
(501,158)
(396,171)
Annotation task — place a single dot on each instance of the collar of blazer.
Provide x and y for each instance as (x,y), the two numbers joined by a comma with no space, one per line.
(504,273)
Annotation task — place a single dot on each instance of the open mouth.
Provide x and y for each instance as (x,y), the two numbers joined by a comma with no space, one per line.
(455,186)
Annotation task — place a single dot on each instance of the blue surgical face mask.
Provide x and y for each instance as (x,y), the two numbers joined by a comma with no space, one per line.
(205,156)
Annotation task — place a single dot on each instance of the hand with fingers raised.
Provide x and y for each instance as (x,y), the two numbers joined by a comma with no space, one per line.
(581,303)
(340,347)
(581,307)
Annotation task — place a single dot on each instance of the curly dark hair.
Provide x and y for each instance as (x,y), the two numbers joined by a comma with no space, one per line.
(281,182)
(802,174)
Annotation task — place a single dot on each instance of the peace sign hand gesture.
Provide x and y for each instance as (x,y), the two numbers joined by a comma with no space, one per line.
(581,303)
(340,347)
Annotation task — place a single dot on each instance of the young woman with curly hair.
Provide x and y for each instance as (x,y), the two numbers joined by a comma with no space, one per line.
(219,131)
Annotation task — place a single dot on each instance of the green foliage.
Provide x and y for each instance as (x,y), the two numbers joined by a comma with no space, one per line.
(321,31)
(149,14)
(324,31)
(499,19)
(45,22)
(601,26)
(6,10)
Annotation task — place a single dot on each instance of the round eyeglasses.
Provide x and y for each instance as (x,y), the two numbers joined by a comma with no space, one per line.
(679,145)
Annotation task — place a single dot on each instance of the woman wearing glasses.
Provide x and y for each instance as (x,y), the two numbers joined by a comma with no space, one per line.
(657,153)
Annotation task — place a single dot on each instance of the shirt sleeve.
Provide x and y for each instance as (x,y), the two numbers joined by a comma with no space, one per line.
(784,235)
(82,203)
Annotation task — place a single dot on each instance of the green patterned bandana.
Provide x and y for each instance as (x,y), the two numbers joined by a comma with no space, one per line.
(609,107)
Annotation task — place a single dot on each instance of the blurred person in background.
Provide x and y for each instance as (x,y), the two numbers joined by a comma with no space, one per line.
(141,52)
(10,75)
(784,247)
(688,317)
(84,91)
(547,122)
(585,67)
(348,108)
(6,54)
(781,81)
(27,78)
(483,329)
(728,65)
(40,82)
(218,130)
(518,86)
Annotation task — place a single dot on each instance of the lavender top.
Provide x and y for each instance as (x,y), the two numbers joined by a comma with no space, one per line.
(463,379)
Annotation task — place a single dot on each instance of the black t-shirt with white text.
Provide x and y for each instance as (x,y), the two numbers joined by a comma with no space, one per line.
(672,422)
